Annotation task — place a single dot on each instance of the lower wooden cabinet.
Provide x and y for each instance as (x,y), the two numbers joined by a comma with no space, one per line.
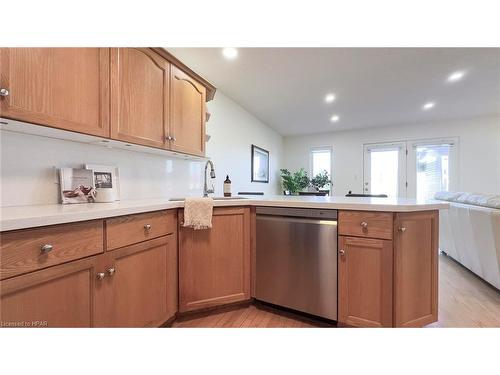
(133,291)
(214,264)
(365,282)
(416,242)
(60,296)
(385,283)
(134,286)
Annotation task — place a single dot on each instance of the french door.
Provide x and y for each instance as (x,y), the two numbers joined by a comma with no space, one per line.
(432,167)
(414,169)
(385,169)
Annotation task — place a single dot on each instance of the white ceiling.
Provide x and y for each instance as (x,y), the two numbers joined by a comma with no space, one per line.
(285,87)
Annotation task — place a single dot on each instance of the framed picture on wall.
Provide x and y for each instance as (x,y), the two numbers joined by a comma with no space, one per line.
(260,164)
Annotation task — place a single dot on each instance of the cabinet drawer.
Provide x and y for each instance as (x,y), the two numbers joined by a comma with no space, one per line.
(127,230)
(23,251)
(366,224)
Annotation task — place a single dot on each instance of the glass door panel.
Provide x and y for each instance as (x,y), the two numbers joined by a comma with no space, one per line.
(385,169)
(431,168)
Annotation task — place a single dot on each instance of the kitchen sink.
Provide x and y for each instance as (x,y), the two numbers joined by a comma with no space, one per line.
(214,198)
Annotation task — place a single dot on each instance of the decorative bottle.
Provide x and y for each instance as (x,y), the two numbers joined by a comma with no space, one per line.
(227,187)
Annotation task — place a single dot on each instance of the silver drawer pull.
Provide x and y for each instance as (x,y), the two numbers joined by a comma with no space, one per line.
(402,229)
(100,275)
(364,224)
(147,227)
(4,92)
(47,248)
(342,252)
(111,271)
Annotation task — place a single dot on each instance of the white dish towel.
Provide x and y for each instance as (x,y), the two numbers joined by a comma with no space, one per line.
(198,213)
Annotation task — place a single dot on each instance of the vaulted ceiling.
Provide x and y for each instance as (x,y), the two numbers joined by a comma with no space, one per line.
(286,87)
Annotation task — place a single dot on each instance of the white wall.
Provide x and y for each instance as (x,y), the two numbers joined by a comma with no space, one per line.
(233,131)
(479,151)
(27,175)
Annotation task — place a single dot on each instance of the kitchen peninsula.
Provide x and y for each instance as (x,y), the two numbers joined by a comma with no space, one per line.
(132,264)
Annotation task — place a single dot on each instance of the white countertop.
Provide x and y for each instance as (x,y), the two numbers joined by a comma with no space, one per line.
(20,217)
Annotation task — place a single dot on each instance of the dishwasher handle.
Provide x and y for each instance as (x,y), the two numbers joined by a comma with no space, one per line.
(301,220)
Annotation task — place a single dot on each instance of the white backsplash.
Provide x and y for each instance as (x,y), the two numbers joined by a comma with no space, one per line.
(29,162)
(29,170)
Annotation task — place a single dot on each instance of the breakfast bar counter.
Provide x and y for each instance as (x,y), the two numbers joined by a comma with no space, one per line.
(20,217)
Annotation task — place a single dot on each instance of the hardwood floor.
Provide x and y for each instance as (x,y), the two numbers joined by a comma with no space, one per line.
(250,316)
(464,301)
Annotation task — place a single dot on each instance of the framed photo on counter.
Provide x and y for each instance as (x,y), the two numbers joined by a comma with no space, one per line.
(260,164)
(106,177)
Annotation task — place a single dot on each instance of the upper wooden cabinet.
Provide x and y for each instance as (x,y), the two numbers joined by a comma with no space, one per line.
(66,88)
(139,96)
(143,96)
(188,114)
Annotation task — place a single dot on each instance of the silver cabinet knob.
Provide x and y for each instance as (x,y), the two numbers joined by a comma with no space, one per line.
(111,271)
(46,248)
(168,138)
(173,139)
(100,275)
(364,224)
(147,227)
(4,92)
(342,252)
(402,229)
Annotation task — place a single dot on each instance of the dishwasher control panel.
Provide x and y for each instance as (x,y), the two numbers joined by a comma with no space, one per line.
(313,213)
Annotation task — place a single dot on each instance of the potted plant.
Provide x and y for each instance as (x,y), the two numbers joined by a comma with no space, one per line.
(321,180)
(294,182)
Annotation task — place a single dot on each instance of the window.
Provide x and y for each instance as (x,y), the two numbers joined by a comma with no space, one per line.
(321,160)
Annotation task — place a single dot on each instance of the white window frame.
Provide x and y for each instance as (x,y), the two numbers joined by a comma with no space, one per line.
(321,148)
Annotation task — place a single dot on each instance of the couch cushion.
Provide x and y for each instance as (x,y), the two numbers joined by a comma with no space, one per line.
(494,202)
(475,199)
(448,195)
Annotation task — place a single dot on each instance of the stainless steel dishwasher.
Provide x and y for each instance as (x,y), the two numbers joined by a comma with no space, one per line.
(296,259)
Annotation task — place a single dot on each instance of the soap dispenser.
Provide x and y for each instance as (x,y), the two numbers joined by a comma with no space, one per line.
(227,187)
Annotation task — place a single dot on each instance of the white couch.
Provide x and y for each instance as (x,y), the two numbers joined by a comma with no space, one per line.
(470,233)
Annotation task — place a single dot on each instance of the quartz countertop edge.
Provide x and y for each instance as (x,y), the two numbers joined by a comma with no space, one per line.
(21,217)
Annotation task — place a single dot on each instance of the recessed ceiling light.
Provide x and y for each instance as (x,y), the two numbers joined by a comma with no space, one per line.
(330,98)
(428,106)
(334,118)
(230,53)
(456,76)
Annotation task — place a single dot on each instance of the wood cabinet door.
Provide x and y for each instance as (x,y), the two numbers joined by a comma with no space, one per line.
(365,282)
(416,268)
(214,264)
(60,296)
(139,96)
(134,290)
(66,88)
(188,114)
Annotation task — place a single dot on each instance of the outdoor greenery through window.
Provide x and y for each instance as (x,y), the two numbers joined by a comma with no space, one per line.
(321,161)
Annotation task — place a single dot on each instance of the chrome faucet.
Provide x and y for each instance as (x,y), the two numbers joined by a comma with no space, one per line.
(206,190)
